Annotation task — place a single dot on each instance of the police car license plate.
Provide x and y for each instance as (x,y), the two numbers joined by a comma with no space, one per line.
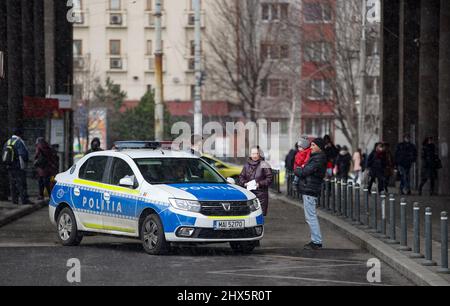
(229,225)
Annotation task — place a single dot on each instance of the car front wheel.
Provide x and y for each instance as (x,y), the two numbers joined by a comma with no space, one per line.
(153,237)
(68,234)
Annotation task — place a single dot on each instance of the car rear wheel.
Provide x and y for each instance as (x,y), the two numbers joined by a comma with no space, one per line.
(68,234)
(244,247)
(152,236)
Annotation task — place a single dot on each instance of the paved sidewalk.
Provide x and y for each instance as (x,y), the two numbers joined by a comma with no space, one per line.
(398,260)
(10,212)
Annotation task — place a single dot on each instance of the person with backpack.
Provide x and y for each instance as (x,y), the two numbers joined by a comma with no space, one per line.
(15,157)
(46,164)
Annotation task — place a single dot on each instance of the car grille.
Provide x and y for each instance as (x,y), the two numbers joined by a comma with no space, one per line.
(239,208)
(205,233)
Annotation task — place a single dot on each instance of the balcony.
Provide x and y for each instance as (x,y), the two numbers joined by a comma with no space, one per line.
(81,63)
(117,19)
(81,19)
(150,20)
(190,19)
(116,63)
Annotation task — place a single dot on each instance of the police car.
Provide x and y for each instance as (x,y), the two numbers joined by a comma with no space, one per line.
(161,196)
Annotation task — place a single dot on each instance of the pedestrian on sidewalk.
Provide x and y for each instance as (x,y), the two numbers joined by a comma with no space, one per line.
(46,164)
(405,157)
(311,180)
(357,159)
(390,166)
(95,146)
(343,164)
(331,152)
(430,165)
(376,164)
(257,177)
(15,155)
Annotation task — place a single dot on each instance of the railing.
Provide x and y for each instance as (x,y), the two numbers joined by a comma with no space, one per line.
(276,181)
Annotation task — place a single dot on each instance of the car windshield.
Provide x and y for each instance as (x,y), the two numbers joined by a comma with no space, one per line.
(177,171)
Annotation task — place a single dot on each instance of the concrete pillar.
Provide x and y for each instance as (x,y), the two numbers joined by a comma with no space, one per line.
(409,36)
(429,71)
(444,97)
(15,82)
(49,50)
(4,185)
(39,48)
(28,48)
(390,71)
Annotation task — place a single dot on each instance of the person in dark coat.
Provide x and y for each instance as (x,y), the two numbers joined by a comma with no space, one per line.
(405,157)
(343,164)
(430,165)
(377,163)
(310,186)
(331,152)
(260,171)
(290,159)
(390,166)
(95,146)
(46,164)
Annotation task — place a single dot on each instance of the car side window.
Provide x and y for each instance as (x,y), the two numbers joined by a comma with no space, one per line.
(93,169)
(119,170)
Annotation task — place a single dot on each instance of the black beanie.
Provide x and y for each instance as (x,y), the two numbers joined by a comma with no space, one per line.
(320,143)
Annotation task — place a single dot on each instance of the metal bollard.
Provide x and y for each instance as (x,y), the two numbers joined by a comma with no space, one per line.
(327,195)
(374,212)
(338,197)
(350,201)
(333,195)
(366,207)
(444,244)
(392,221)
(382,229)
(416,221)
(344,199)
(428,239)
(357,217)
(403,227)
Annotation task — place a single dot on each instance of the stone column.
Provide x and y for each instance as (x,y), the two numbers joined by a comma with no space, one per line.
(39,48)
(429,71)
(15,82)
(28,48)
(444,97)
(390,71)
(409,36)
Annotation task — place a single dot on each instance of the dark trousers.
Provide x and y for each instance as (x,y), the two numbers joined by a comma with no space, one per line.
(44,183)
(405,178)
(381,182)
(18,185)
(428,174)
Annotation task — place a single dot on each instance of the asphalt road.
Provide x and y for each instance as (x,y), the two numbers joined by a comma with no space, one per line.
(29,255)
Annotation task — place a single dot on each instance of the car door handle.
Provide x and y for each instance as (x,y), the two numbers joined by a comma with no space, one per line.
(106,196)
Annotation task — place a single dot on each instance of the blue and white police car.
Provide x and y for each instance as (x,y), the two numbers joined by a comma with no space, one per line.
(155,194)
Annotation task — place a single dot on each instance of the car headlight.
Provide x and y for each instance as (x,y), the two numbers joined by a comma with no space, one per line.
(187,205)
(254,204)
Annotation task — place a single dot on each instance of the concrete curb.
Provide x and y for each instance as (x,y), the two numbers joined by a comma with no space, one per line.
(20,212)
(410,269)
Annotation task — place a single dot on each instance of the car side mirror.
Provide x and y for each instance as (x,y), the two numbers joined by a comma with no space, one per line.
(231,181)
(127,182)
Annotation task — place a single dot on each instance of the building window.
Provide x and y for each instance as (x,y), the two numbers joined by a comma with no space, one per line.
(77,47)
(149,88)
(149,47)
(276,88)
(318,52)
(77,5)
(78,92)
(274,11)
(192,4)
(319,90)
(114,47)
(317,127)
(114,5)
(317,12)
(274,51)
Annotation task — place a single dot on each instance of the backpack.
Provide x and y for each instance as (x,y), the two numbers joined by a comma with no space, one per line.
(9,153)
